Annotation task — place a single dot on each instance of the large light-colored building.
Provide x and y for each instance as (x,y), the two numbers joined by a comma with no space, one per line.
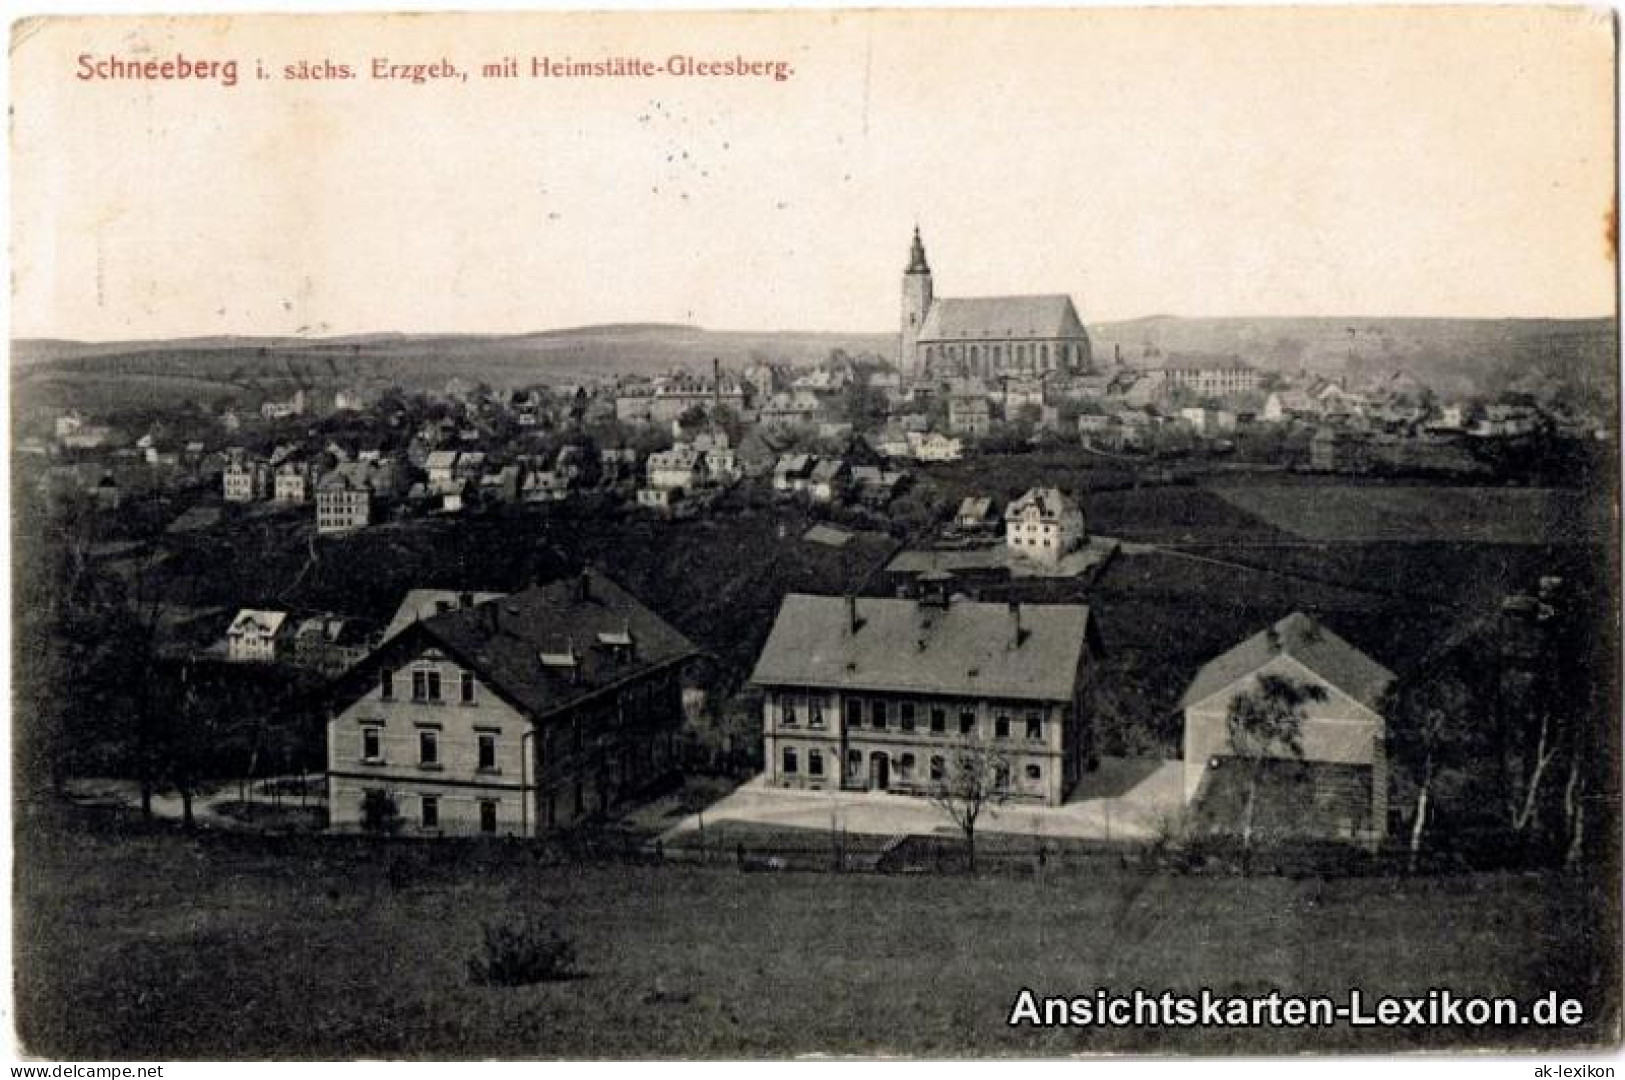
(512,716)
(256,636)
(1044,525)
(246,477)
(1338,785)
(881,694)
(985,335)
(346,496)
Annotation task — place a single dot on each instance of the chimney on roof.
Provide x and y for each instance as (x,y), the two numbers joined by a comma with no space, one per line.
(853,623)
(1018,633)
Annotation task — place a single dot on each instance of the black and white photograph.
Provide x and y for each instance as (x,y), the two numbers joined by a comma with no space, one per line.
(918,534)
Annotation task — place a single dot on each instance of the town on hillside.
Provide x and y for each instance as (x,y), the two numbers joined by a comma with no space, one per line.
(1000,602)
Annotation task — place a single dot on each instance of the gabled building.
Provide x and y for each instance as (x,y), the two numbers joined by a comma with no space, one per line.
(345,497)
(881,694)
(985,335)
(256,636)
(1337,787)
(510,717)
(1044,525)
(293,482)
(969,416)
(247,476)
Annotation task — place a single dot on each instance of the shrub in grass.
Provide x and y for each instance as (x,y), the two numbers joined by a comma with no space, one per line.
(522,953)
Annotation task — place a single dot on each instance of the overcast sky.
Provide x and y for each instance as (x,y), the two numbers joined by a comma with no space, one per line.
(1451,162)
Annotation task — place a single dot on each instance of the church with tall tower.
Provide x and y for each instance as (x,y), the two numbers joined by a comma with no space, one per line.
(989,336)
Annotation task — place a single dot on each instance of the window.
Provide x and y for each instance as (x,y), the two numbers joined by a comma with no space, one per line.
(787,709)
(1034,772)
(428,747)
(371,744)
(815,713)
(854,763)
(467,680)
(488,815)
(854,713)
(487,750)
(1001,776)
(939,720)
(1001,727)
(386,684)
(431,811)
(937,767)
(905,713)
(815,763)
(877,715)
(1035,727)
(906,766)
(426,685)
(967,722)
(789,760)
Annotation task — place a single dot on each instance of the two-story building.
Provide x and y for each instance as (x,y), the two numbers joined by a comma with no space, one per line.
(880,694)
(1043,525)
(256,637)
(511,716)
(246,477)
(294,480)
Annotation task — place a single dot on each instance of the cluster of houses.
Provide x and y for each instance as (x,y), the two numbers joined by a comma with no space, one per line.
(509,714)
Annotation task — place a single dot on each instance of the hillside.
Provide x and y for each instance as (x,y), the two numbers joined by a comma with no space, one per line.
(1456,356)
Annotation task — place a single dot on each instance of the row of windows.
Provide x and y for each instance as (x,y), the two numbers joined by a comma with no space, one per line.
(426,685)
(429,813)
(790,765)
(1019,353)
(428,747)
(881,713)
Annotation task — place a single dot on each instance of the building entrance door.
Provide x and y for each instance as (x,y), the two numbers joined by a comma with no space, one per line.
(879,772)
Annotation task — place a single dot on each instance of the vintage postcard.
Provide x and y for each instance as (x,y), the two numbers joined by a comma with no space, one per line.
(913,533)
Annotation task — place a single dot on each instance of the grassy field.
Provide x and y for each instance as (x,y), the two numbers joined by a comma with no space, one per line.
(1347,514)
(134,944)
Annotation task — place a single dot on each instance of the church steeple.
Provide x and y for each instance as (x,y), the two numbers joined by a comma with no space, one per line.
(916,306)
(916,256)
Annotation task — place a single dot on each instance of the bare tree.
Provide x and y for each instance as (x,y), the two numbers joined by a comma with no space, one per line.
(1431,716)
(1266,723)
(974,777)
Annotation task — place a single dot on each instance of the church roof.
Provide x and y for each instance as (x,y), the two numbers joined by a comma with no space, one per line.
(1002,318)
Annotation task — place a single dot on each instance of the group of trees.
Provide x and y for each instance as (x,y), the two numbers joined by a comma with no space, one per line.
(97,694)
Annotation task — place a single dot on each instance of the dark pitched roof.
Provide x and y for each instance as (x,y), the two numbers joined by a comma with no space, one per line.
(503,641)
(967,648)
(1310,644)
(997,317)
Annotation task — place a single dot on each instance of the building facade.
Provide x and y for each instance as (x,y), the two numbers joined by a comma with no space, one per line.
(988,336)
(512,716)
(246,478)
(1336,785)
(883,694)
(1044,525)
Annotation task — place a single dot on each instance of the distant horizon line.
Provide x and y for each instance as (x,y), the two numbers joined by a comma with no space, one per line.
(655,324)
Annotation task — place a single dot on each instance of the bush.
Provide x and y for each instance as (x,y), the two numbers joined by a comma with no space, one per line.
(523,954)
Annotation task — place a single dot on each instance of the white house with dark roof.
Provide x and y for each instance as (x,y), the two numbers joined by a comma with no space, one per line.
(1044,525)
(256,636)
(986,335)
(511,716)
(1339,785)
(865,693)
